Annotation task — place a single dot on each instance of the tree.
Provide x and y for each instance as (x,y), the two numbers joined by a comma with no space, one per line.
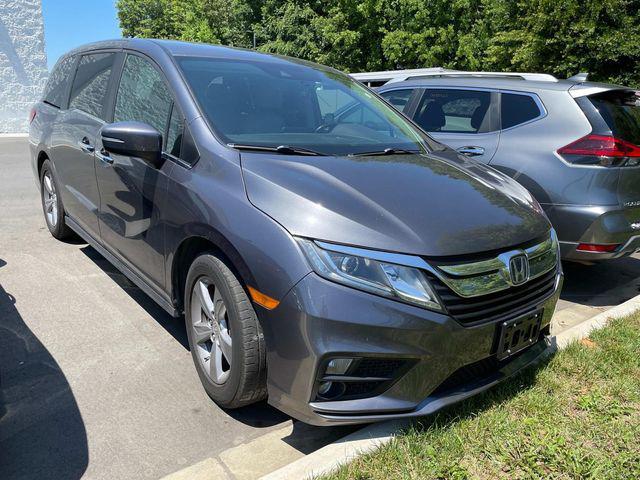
(559,37)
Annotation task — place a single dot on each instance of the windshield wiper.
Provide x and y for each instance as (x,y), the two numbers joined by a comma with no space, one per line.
(386,151)
(281,149)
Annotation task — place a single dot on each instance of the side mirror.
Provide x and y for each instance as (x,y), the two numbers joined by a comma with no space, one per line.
(133,139)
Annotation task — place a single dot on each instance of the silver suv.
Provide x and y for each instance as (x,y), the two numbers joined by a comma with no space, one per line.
(573,144)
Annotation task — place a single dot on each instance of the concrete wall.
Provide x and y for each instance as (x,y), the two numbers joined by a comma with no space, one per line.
(23,61)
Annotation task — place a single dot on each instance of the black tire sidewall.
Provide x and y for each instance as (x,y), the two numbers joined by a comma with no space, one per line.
(225,393)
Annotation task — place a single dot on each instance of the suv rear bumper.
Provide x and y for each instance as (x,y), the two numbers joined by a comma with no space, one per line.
(319,319)
(603,225)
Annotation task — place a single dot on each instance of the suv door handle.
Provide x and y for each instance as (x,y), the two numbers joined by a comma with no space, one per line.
(85,145)
(471,151)
(104,157)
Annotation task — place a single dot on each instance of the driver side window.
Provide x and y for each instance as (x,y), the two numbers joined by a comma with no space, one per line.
(142,95)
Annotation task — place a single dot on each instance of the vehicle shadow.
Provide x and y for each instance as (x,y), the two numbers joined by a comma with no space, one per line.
(602,284)
(42,434)
(175,327)
(259,415)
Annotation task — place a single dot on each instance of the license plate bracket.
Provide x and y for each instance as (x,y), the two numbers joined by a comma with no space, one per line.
(518,334)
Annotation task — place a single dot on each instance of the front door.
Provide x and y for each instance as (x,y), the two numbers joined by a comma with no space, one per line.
(132,191)
(75,139)
(465,120)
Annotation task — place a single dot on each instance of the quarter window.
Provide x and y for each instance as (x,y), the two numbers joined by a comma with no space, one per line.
(91,83)
(398,98)
(57,88)
(142,95)
(174,133)
(455,111)
(517,109)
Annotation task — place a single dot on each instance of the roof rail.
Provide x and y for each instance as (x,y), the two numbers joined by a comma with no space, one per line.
(392,76)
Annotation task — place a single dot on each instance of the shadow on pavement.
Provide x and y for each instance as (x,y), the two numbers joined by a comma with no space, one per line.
(42,434)
(260,415)
(173,326)
(602,284)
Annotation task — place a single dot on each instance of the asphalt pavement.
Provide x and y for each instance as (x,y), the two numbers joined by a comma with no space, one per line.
(96,381)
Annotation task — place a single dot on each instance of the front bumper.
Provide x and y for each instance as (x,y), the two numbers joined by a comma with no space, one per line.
(320,319)
(590,224)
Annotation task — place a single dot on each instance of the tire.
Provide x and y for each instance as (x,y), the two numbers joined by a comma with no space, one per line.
(241,381)
(52,206)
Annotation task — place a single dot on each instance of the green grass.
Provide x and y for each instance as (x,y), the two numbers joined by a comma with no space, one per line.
(575,417)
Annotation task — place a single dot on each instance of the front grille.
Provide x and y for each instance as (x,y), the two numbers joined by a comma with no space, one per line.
(495,306)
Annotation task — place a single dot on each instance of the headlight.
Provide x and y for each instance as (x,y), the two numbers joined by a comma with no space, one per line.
(387,279)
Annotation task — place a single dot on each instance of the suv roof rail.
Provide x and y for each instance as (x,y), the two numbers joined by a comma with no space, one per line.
(373,79)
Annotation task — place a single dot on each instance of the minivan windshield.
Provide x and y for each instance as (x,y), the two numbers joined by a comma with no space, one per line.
(299,108)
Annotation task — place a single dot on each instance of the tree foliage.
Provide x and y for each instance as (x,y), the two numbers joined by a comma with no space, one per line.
(562,37)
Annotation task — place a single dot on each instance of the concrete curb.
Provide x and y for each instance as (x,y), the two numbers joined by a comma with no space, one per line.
(342,451)
(582,330)
(332,456)
(14,135)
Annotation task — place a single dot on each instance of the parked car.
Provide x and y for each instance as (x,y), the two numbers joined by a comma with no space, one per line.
(353,270)
(574,144)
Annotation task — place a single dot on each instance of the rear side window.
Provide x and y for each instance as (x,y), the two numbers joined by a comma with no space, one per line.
(142,95)
(398,98)
(517,109)
(91,83)
(57,88)
(621,112)
(455,111)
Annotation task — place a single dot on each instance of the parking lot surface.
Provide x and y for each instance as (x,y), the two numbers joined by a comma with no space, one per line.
(97,380)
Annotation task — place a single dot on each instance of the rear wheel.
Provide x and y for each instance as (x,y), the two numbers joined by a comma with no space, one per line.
(225,338)
(52,203)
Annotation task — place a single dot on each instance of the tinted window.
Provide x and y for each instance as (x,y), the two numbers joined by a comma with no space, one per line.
(91,82)
(142,95)
(517,109)
(285,103)
(398,98)
(57,88)
(174,133)
(621,112)
(459,111)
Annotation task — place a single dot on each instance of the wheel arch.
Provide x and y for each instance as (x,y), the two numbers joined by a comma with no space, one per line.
(42,156)
(193,246)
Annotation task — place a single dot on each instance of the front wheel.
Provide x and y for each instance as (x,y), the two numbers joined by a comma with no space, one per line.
(225,338)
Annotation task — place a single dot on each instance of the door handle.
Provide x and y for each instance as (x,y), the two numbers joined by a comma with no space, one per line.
(104,157)
(471,151)
(85,145)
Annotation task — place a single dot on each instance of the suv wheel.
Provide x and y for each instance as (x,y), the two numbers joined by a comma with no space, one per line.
(52,203)
(225,337)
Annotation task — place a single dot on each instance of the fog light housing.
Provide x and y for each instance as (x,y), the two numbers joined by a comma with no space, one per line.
(331,390)
(338,366)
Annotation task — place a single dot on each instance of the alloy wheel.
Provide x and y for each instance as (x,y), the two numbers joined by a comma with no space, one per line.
(210,330)
(50,199)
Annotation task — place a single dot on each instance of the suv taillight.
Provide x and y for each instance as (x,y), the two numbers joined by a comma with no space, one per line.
(32,114)
(603,150)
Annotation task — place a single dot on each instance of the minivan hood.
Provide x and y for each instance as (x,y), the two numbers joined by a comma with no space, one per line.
(433,205)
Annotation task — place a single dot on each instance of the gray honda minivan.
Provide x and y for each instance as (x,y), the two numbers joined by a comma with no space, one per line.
(351,270)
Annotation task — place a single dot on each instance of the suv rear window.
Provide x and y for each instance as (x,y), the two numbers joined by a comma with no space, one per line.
(517,109)
(620,110)
(56,90)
